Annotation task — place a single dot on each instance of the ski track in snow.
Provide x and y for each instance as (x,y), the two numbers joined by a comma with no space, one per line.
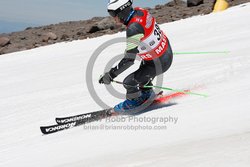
(40,84)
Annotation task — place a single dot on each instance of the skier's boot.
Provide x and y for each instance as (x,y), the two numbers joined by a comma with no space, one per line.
(148,93)
(131,104)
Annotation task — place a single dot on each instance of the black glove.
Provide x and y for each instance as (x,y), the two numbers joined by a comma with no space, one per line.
(105,79)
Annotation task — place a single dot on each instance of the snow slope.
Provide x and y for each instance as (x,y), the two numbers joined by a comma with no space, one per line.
(40,84)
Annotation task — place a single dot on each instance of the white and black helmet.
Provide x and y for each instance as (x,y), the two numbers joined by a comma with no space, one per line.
(120,8)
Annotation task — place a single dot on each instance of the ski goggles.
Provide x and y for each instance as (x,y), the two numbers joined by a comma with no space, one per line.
(112,13)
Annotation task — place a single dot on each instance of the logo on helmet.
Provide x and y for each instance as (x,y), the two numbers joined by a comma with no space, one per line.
(126,5)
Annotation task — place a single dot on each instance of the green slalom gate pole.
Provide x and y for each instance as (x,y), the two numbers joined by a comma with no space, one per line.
(170,89)
(189,53)
(177,90)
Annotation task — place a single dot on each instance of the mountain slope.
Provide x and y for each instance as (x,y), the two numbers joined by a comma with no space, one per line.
(40,84)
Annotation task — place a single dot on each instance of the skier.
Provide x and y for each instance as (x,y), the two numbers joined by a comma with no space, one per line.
(145,39)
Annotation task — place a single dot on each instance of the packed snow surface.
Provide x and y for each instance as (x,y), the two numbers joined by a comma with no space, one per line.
(40,84)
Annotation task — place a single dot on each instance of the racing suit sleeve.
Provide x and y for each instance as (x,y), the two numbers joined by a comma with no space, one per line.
(134,33)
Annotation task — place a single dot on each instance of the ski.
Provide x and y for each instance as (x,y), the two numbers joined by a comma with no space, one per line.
(80,120)
(77,120)
(85,117)
(82,117)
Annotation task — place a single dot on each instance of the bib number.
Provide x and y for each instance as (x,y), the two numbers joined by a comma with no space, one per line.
(157,32)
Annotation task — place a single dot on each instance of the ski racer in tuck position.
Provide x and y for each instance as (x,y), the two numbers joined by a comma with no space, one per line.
(145,39)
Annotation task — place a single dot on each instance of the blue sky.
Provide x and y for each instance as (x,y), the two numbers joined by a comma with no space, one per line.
(24,13)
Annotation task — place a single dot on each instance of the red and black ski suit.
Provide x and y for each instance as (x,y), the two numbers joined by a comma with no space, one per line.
(145,39)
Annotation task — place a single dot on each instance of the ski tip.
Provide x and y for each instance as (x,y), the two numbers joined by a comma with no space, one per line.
(43,130)
(58,121)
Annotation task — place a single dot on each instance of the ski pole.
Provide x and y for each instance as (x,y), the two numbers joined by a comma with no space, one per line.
(186,53)
(165,88)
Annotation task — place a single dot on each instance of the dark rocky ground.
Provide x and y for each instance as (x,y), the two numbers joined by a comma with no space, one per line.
(33,37)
